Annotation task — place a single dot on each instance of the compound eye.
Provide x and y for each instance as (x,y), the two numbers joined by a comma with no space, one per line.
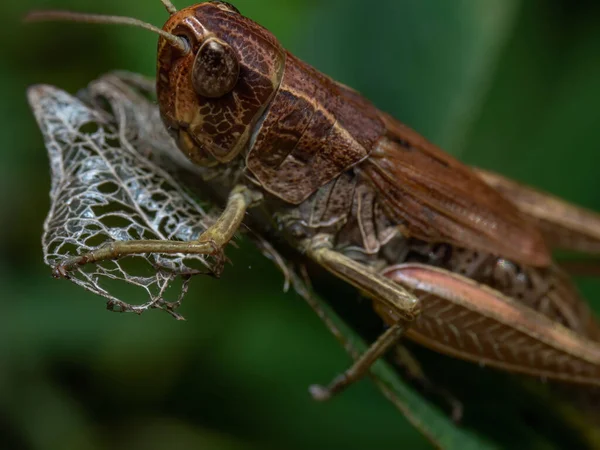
(216,69)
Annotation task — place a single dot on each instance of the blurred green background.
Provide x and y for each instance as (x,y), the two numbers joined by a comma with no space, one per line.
(510,85)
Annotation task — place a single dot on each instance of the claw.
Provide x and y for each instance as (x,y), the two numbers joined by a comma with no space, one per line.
(319,393)
(322,393)
(60,271)
(217,253)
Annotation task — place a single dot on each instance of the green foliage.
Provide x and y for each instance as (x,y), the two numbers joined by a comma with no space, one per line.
(508,85)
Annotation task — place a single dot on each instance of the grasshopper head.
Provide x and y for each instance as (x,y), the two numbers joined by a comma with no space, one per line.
(212,93)
(216,73)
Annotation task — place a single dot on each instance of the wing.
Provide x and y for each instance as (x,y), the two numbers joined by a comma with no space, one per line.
(563,225)
(434,197)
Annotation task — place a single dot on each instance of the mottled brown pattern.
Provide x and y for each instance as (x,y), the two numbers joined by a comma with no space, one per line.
(336,129)
(219,127)
(339,201)
(282,128)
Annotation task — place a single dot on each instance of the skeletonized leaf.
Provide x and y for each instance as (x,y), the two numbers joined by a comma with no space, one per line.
(106,187)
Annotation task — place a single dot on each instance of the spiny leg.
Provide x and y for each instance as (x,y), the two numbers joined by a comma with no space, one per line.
(392,296)
(303,286)
(361,366)
(210,242)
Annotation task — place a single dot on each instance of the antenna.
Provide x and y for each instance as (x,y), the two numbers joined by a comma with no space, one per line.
(49,16)
(169,6)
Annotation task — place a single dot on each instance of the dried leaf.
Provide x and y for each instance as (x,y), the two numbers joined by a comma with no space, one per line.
(108,184)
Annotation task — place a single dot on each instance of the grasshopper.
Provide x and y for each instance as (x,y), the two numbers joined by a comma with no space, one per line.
(452,257)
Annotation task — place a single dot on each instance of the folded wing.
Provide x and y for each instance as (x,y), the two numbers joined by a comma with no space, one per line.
(436,198)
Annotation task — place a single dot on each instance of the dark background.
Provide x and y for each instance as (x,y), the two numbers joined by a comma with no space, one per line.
(509,85)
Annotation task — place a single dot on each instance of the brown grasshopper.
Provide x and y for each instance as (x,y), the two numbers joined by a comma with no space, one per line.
(454,258)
